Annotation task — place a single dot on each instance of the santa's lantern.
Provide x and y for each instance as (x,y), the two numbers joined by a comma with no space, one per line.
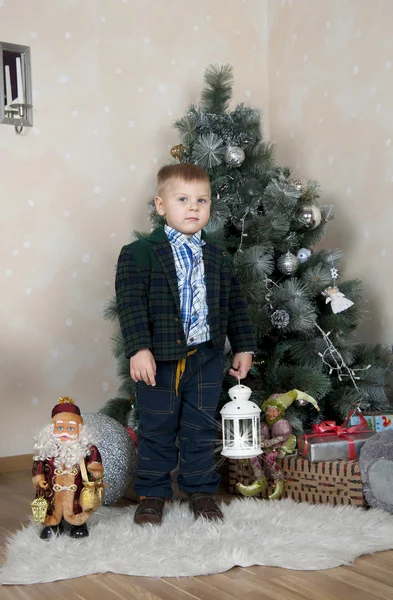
(39,508)
(241,436)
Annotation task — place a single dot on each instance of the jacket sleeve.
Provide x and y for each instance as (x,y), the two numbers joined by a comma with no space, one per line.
(38,471)
(240,329)
(132,306)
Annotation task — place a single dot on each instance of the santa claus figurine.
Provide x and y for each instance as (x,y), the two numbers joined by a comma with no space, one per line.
(59,451)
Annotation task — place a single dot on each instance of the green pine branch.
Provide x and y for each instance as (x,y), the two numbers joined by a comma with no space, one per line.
(217,92)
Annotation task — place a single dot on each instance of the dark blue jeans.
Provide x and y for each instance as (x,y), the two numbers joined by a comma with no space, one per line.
(190,414)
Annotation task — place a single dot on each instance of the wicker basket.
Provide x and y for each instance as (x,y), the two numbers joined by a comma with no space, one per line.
(334,482)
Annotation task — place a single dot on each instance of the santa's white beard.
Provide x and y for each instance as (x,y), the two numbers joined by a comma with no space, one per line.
(66,454)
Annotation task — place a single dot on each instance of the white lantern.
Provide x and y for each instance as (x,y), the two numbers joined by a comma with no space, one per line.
(241,435)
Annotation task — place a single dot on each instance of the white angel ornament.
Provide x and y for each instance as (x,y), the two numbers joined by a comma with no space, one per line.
(338,301)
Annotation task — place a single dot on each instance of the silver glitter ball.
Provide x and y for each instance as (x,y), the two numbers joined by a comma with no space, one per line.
(303,255)
(287,264)
(234,156)
(309,217)
(117,451)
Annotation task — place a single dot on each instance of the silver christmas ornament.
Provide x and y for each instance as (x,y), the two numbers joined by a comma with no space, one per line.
(303,255)
(287,263)
(280,319)
(309,216)
(234,156)
(117,451)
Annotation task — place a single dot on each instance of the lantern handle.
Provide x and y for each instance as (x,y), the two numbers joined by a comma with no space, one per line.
(238,380)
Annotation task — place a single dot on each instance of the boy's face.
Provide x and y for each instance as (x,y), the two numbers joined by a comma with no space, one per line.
(185,205)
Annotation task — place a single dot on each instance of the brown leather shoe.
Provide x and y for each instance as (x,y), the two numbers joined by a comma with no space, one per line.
(149,510)
(205,506)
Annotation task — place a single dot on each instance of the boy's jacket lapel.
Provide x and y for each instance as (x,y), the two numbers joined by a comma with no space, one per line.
(212,258)
(163,252)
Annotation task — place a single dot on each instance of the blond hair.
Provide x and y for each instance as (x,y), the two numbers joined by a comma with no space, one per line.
(185,171)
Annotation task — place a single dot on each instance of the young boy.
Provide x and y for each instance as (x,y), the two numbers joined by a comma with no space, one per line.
(177,300)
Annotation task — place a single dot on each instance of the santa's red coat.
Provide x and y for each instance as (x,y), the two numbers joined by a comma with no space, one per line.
(64,504)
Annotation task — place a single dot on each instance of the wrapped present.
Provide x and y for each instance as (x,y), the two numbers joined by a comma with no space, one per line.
(333,482)
(317,448)
(376,421)
(329,441)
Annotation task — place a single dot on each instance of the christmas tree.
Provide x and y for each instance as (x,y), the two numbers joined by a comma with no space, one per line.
(304,316)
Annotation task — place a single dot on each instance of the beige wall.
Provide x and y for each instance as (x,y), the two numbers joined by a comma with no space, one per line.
(330,106)
(109,78)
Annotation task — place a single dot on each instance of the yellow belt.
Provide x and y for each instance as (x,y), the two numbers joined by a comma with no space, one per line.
(180,368)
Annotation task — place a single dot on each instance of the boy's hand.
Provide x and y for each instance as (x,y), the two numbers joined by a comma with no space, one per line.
(241,365)
(143,367)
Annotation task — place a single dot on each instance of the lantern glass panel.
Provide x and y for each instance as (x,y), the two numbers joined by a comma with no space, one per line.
(229,432)
(245,432)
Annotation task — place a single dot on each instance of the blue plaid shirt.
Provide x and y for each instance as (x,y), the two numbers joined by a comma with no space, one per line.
(190,270)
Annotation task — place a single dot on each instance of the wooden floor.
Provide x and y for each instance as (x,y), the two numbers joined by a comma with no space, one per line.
(369,579)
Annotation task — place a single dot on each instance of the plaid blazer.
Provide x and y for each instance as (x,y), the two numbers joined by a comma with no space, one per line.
(148,303)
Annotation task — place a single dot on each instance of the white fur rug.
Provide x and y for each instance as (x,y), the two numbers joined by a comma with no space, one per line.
(255,532)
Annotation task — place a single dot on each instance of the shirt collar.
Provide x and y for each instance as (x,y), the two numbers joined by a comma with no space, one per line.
(195,242)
